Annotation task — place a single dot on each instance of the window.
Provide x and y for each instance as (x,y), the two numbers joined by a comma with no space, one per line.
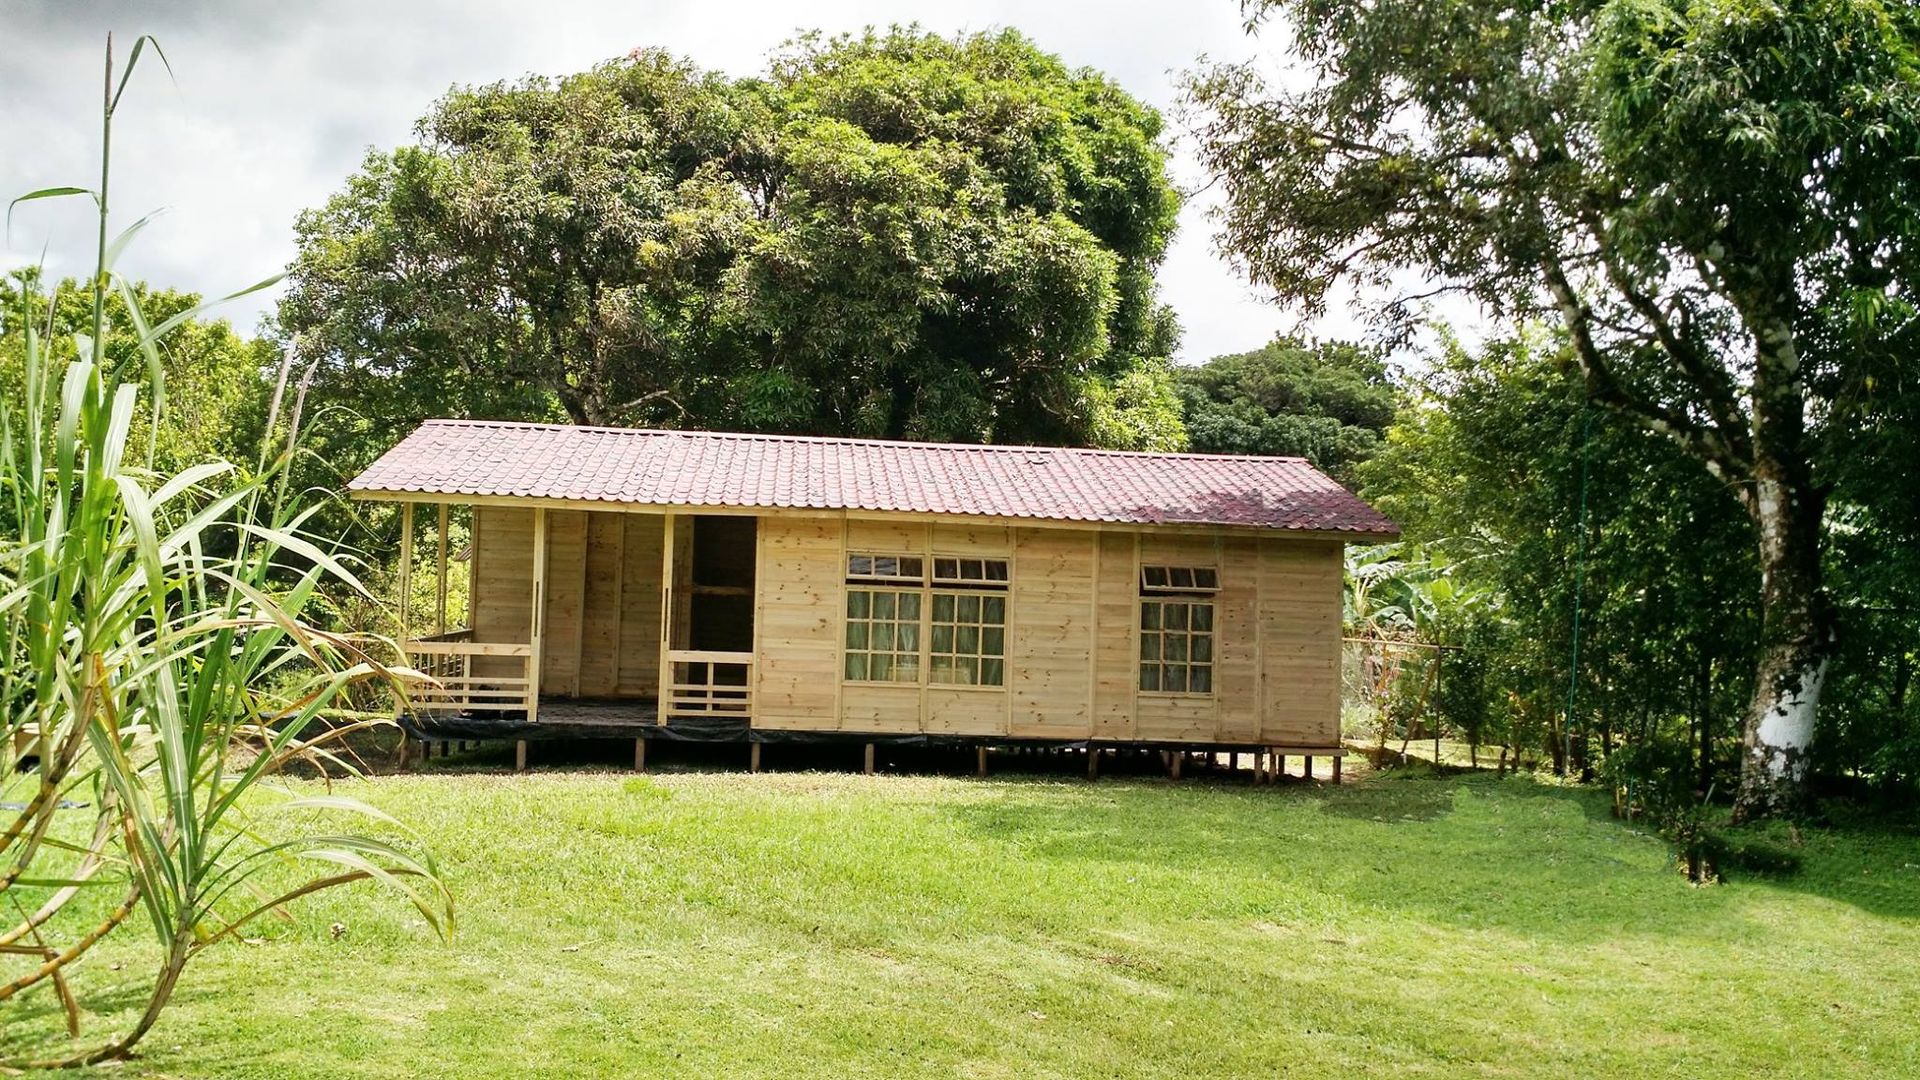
(883,635)
(1176,629)
(969,639)
(960,614)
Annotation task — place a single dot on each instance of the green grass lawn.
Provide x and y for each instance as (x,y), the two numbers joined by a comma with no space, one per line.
(835,925)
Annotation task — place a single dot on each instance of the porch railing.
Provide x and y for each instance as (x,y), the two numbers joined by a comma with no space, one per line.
(502,684)
(707,684)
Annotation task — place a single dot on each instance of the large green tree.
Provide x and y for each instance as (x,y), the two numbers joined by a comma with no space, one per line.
(1506,478)
(1719,201)
(215,381)
(1327,401)
(893,234)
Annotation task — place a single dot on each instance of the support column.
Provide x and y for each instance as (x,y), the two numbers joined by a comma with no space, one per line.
(1306,767)
(867,760)
(406,568)
(440,582)
(980,764)
(665,694)
(753,757)
(539,617)
(1093,762)
(1336,770)
(520,756)
(639,755)
(1173,765)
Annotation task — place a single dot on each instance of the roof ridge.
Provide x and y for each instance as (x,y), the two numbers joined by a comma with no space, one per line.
(851,440)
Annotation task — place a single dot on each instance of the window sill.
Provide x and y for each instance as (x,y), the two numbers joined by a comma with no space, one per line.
(1177,695)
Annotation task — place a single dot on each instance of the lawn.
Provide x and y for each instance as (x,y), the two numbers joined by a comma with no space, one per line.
(825,924)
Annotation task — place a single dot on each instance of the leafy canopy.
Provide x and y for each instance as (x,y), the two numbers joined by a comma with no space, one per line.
(1329,402)
(892,234)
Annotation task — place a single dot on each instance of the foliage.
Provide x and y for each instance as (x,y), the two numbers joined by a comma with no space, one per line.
(1329,402)
(895,234)
(1486,465)
(216,382)
(1717,201)
(155,668)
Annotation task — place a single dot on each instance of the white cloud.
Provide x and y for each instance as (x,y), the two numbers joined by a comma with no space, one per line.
(275,104)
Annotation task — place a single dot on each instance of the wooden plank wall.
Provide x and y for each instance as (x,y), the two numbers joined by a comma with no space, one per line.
(1072,663)
(797,674)
(1050,661)
(1073,646)
(1300,591)
(603,596)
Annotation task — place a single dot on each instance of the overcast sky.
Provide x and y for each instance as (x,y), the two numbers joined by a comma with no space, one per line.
(273,104)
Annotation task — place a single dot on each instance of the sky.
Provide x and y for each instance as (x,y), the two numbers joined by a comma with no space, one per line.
(272,105)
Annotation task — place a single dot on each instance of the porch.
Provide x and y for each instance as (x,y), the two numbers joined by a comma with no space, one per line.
(579,624)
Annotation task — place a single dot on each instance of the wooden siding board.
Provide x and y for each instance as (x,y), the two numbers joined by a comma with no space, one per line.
(1051,634)
(797,675)
(1300,642)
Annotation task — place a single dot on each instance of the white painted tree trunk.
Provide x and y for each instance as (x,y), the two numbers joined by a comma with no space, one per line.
(1794,650)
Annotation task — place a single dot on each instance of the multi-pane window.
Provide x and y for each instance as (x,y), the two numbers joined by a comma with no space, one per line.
(883,635)
(1176,628)
(960,615)
(968,644)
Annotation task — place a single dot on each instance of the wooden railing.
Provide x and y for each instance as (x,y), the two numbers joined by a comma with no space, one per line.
(448,660)
(707,684)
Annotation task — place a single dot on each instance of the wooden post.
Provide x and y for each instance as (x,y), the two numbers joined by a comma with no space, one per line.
(1306,767)
(753,757)
(866,764)
(1336,769)
(520,756)
(665,694)
(639,755)
(1259,766)
(1093,762)
(539,616)
(1179,757)
(980,762)
(406,566)
(440,583)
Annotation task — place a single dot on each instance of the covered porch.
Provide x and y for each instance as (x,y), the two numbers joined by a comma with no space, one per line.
(575,622)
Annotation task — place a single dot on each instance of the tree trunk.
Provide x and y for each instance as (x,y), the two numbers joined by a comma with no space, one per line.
(1795,645)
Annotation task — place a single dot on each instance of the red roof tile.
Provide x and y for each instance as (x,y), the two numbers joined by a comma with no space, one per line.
(704,468)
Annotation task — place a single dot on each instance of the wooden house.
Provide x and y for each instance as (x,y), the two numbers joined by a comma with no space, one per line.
(701,585)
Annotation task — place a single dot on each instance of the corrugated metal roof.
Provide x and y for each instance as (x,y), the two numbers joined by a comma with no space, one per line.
(706,468)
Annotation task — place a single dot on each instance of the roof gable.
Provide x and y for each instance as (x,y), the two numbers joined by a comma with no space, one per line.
(631,466)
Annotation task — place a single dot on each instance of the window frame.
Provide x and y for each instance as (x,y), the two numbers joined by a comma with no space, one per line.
(1189,587)
(929,586)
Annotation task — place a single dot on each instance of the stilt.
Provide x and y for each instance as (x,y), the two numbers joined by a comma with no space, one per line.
(867,763)
(426,750)
(1259,766)
(980,760)
(1093,763)
(520,755)
(753,757)
(639,755)
(1336,770)
(1173,766)
(1306,767)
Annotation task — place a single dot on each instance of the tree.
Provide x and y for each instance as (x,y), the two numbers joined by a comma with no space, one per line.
(1328,402)
(215,381)
(1717,200)
(895,234)
(1523,492)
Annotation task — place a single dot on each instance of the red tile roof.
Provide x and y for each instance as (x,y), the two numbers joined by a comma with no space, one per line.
(705,468)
